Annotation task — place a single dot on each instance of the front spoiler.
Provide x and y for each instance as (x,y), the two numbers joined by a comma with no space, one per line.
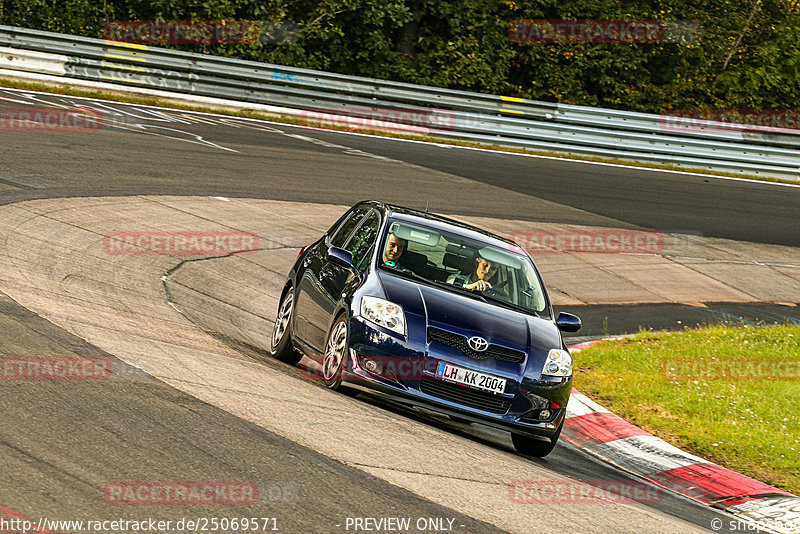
(410,398)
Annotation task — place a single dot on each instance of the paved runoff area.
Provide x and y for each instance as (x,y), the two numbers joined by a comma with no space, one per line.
(136,320)
(58,261)
(101,269)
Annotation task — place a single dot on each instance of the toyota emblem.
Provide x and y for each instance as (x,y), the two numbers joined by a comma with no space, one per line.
(478,344)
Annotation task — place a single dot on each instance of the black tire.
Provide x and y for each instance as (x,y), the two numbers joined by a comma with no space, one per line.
(536,447)
(281,347)
(336,349)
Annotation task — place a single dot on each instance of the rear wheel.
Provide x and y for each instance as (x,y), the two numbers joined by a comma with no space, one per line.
(335,354)
(533,446)
(282,348)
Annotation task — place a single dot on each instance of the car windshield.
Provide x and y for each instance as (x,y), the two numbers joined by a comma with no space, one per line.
(500,274)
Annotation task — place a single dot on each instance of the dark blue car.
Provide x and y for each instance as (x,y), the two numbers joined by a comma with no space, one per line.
(435,313)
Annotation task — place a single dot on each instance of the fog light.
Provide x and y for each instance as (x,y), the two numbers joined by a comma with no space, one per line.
(373,367)
(545,415)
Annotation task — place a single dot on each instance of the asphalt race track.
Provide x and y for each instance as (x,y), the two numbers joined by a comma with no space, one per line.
(58,439)
(61,442)
(651,199)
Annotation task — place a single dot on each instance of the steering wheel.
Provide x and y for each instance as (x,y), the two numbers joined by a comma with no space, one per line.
(496,287)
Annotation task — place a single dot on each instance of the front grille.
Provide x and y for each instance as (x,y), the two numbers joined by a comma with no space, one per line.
(454,340)
(481,400)
(459,342)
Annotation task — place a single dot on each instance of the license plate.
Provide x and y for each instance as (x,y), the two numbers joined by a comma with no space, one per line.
(473,379)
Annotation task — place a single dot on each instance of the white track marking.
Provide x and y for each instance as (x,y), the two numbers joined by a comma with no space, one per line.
(440,145)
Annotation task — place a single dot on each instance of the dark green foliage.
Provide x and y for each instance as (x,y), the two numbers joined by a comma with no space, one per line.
(748,57)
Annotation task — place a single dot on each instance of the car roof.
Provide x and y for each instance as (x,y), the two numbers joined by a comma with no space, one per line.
(439,222)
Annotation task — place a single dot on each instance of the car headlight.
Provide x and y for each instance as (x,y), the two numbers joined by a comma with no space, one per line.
(558,363)
(384,313)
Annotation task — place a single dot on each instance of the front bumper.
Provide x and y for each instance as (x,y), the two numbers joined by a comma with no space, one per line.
(404,369)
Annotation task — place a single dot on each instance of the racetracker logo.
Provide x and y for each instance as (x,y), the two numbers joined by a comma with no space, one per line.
(54,368)
(593,241)
(209,32)
(181,493)
(418,120)
(605,31)
(397,369)
(589,492)
(730,370)
(731,120)
(33,119)
(200,32)
(179,243)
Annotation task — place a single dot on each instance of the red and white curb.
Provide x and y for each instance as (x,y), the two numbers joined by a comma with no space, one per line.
(599,432)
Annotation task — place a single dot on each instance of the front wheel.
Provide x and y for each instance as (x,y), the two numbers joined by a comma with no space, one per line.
(282,348)
(533,446)
(335,354)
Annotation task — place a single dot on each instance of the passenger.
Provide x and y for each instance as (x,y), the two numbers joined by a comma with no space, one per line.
(395,247)
(479,279)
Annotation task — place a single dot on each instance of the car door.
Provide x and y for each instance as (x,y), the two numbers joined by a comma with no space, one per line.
(335,278)
(311,320)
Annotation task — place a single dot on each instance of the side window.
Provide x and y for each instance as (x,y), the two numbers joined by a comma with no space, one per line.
(361,242)
(346,228)
(361,267)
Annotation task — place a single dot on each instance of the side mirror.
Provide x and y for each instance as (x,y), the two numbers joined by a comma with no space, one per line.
(566,322)
(340,257)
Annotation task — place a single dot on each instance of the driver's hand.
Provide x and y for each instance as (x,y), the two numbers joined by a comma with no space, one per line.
(480,285)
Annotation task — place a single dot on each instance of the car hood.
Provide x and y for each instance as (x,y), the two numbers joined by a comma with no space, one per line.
(471,316)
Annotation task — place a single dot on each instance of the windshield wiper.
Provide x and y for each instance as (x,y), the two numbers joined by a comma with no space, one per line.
(487,297)
(511,305)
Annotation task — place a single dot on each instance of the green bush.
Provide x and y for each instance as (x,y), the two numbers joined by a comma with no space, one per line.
(748,57)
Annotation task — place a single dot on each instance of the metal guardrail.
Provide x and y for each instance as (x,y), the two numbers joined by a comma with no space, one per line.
(446,113)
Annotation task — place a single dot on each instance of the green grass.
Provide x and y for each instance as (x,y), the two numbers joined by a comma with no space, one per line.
(121,96)
(750,423)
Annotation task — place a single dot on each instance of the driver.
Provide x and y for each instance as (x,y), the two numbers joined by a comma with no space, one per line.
(479,279)
(395,247)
